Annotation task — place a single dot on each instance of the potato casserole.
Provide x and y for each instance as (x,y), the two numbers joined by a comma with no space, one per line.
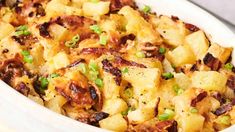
(113,65)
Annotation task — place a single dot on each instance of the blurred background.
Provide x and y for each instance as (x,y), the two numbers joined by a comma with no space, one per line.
(222,9)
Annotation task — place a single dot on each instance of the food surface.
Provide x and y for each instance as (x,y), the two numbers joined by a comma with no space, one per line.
(113,65)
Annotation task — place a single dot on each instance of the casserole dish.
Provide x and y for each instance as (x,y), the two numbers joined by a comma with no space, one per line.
(37,118)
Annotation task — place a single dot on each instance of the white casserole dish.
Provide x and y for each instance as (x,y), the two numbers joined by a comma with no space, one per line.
(18,113)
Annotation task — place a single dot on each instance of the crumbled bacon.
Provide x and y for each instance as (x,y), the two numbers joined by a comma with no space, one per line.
(167,125)
(10,69)
(118,4)
(119,61)
(25,40)
(77,94)
(212,62)
(43,30)
(219,97)
(156,107)
(75,63)
(231,82)
(175,18)
(39,9)
(96,117)
(224,108)
(22,88)
(95,51)
(191,27)
(95,94)
(199,98)
(124,39)
(108,67)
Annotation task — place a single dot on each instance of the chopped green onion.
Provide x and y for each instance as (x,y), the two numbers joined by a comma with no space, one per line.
(54,75)
(27,57)
(82,68)
(95,1)
(224,120)
(103,40)
(99,82)
(22,30)
(177,89)
(124,113)
(125,70)
(146,9)
(162,50)
(168,113)
(72,42)
(25,53)
(228,66)
(96,29)
(44,82)
(92,66)
(193,110)
(167,75)
(128,93)
(93,75)
(163,117)
(140,54)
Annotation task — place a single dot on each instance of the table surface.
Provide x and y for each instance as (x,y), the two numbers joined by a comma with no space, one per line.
(222,9)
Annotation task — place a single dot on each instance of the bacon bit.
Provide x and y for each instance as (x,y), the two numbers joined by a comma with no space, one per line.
(175,18)
(191,27)
(25,40)
(199,98)
(22,88)
(196,66)
(212,62)
(10,69)
(39,9)
(124,39)
(75,63)
(231,82)
(149,47)
(96,96)
(224,108)
(119,61)
(96,117)
(5,51)
(219,97)
(156,107)
(96,51)
(169,125)
(77,94)
(108,67)
(43,29)
(118,4)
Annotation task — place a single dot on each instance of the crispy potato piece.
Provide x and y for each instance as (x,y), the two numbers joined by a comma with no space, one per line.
(222,53)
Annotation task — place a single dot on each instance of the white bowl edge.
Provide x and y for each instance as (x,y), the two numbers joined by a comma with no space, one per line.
(32,117)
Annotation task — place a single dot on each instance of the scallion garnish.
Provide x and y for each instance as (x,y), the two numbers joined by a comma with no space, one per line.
(72,42)
(26,56)
(96,29)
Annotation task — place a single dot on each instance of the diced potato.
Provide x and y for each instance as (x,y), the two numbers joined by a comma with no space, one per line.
(181,55)
(5,29)
(78,3)
(182,80)
(60,60)
(58,32)
(114,123)
(111,89)
(36,52)
(55,104)
(95,8)
(222,53)
(140,115)
(65,2)
(232,115)
(209,80)
(36,99)
(143,79)
(191,122)
(108,25)
(138,26)
(172,32)
(198,43)
(54,9)
(12,46)
(167,67)
(114,106)
(166,93)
